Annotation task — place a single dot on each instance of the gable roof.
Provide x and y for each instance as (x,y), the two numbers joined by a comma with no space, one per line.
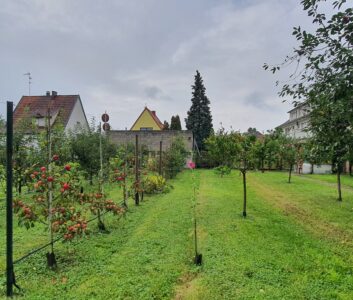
(61,107)
(153,115)
(297,106)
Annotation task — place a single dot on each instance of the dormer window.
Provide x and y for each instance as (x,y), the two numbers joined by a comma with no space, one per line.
(40,121)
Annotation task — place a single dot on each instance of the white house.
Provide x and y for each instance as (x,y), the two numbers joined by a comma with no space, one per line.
(298,122)
(297,127)
(66,109)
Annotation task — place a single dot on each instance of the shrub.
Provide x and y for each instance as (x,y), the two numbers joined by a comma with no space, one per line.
(152,164)
(222,170)
(175,158)
(154,184)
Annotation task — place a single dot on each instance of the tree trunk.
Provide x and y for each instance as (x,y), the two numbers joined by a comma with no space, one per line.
(20,187)
(100,224)
(244,186)
(290,173)
(312,169)
(339,183)
(91,178)
(350,168)
(262,165)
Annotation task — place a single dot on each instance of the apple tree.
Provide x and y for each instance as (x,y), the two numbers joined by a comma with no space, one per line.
(322,76)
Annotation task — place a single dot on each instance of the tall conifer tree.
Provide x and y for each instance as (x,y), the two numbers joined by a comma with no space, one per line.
(175,123)
(199,118)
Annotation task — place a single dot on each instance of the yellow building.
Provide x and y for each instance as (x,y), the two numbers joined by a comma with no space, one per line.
(147,120)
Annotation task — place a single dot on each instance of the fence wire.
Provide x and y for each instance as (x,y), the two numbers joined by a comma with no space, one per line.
(56,240)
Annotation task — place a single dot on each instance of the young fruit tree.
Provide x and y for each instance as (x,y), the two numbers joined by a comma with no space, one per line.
(322,77)
(259,151)
(245,160)
(222,148)
(174,158)
(54,203)
(290,156)
(85,145)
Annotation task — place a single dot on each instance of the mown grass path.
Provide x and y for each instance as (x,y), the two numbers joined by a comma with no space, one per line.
(272,254)
(143,257)
(295,244)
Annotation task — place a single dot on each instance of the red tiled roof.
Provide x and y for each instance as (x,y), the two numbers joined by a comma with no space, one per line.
(155,118)
(37,106)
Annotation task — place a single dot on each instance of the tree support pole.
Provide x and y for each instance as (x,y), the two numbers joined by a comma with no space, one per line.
(160,158)
(244,187)
(137,196)
(198,256)
(9,216)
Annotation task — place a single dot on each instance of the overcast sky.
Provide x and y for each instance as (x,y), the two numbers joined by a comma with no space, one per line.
(122,55)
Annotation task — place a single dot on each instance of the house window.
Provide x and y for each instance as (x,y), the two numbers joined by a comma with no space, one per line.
(41,122)
(146,128)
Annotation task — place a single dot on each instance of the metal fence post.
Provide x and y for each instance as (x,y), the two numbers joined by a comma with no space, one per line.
(160,158)
(9,221)
(137,196)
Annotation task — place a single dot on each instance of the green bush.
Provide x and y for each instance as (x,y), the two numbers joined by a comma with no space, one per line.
(174,159)
(152,164)
(222,170)
(154,184)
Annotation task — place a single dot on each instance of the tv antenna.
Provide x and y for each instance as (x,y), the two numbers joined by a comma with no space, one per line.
(29,82)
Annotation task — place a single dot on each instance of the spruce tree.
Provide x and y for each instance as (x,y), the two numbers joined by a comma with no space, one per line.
(199,118)
(175,123)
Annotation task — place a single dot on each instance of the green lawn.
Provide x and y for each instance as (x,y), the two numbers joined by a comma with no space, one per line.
(346,180)
(295,244)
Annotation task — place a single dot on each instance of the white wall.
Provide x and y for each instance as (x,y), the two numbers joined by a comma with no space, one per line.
(77,115)
(318,169)
(322,169)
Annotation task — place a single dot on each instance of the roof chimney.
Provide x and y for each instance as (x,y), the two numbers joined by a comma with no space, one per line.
(47,93)
(153,112)
(54,94)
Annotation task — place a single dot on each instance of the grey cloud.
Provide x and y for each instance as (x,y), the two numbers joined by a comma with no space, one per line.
(121,55)
(256,101)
